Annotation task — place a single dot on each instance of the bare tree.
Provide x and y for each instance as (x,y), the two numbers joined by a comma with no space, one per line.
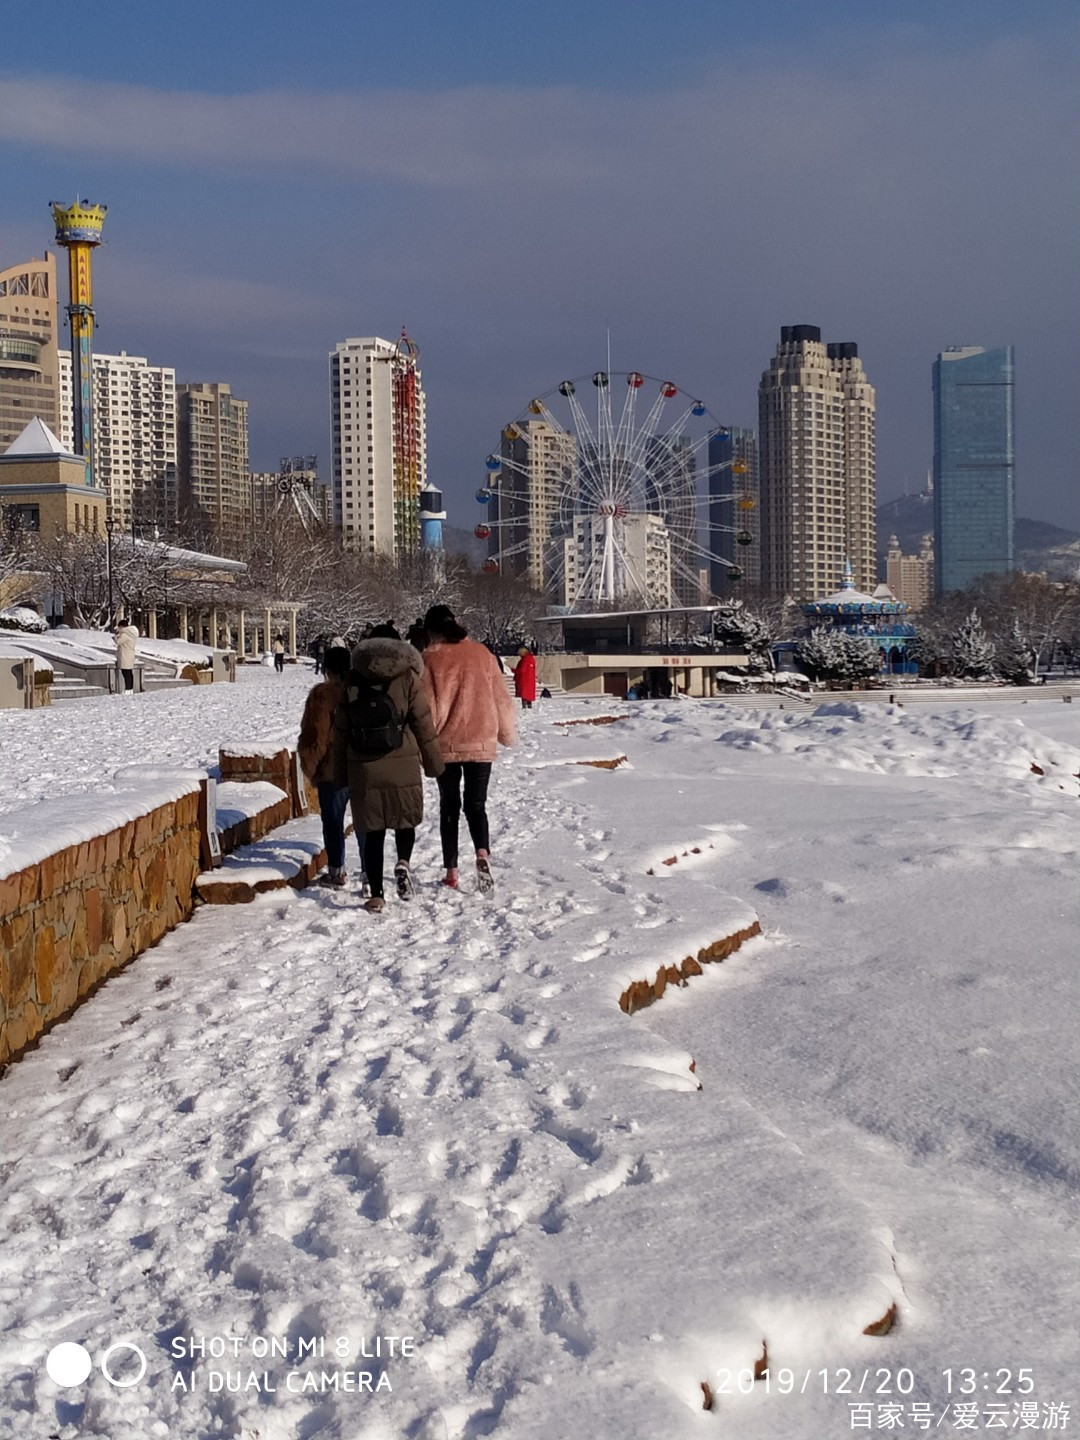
(16,556)
(1028,610)
(499,609)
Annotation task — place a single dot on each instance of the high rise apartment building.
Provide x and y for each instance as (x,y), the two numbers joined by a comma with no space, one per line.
(974,465)
(529,498)
(379,444)
(643,563)
(671,493)
(910,577)
(817,467)
(135,438)
(29,348)
(215,484)
(294,490)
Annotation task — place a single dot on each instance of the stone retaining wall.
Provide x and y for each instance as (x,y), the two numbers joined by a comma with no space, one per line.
(104,877)
(79,911)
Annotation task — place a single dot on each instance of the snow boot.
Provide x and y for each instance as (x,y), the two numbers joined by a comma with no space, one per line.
(403,880)
(485,881)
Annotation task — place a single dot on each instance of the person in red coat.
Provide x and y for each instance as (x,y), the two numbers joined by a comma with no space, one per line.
(525,678)
(473,714)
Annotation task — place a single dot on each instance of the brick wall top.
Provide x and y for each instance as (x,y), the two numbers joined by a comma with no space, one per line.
(30,835)
(266,749)
(237,800)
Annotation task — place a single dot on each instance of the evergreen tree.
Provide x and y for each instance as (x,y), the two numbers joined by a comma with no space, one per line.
(821,654)
(734,624)
(972,652)
(862,658)
(1015,661)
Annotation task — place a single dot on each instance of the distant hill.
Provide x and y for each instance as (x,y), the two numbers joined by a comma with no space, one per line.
(1039,545)
(459,541)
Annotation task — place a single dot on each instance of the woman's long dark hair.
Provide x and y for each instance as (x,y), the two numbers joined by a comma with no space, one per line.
(440,624)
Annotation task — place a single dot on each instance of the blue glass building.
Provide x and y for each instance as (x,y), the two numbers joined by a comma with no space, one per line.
(974,463)
(734,527)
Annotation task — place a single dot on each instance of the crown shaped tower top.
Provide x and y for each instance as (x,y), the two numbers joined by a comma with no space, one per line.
(79,224)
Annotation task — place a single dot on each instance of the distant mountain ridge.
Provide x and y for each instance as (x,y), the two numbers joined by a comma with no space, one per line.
(1039,545)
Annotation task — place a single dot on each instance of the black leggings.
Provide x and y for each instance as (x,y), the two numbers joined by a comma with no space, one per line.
(374,842)
(476,774)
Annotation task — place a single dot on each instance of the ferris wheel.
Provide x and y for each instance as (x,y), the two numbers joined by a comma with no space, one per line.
(608,487)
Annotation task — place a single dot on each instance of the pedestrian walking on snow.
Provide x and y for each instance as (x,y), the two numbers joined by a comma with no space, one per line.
(473,714)
(388,733)
(324,761)
(279,654)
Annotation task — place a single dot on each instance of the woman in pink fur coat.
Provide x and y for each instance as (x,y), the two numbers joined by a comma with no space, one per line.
(473,714)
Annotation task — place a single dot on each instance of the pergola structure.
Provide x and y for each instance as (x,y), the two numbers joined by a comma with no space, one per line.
(224,623)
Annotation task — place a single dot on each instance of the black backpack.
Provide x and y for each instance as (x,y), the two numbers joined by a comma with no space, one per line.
(376,726)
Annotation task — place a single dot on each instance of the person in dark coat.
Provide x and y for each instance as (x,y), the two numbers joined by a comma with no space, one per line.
(323,759)
(386,791)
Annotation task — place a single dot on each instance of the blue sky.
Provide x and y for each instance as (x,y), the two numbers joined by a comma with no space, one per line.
(512,180)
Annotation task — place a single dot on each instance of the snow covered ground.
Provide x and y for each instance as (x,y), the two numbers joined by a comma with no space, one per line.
(296,1128)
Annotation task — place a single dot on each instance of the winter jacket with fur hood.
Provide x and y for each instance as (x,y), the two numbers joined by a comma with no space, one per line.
(386,792)
(321,746)
(470,703)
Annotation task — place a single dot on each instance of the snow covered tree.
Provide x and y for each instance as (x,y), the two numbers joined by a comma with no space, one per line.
(972,652)
(821,654)
(1015,659)
(734,624)
(861,656)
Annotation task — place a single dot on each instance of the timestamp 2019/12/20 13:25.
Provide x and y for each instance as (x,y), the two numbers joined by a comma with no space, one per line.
(879,1381)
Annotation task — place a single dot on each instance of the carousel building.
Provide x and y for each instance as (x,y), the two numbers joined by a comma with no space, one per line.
(879,617)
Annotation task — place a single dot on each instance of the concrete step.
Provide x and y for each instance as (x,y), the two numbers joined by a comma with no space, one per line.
(67,689)
(165,682)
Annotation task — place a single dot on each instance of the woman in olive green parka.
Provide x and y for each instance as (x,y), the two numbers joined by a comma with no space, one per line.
(386,792)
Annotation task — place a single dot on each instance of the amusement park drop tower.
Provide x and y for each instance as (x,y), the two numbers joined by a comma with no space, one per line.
(78,230)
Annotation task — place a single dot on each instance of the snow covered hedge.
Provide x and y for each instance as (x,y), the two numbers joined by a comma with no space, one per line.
(21,617)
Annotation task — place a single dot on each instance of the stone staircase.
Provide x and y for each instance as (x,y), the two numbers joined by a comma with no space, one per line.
(69,684)
(73,687)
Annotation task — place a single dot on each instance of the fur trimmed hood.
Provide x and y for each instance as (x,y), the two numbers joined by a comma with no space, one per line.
(384,660)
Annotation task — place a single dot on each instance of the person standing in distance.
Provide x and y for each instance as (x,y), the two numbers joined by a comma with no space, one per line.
(278,648)
(473,714)
(525,678)
(125,636)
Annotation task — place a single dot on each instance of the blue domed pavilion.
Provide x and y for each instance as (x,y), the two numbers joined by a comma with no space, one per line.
(879,617)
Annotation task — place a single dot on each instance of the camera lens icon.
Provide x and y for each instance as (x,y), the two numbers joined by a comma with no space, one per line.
(70,1365)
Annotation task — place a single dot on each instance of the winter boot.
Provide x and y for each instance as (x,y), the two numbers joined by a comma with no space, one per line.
(485,881)
(403,880)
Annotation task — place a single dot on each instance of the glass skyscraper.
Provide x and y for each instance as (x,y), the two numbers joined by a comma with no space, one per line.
(974,465)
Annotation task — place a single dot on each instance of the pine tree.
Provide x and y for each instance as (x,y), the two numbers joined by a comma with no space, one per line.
(972,652)
(821,654)
(734,624)
(1015,661)
(862,658)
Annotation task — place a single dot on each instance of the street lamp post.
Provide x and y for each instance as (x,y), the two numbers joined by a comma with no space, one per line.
(110,526)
